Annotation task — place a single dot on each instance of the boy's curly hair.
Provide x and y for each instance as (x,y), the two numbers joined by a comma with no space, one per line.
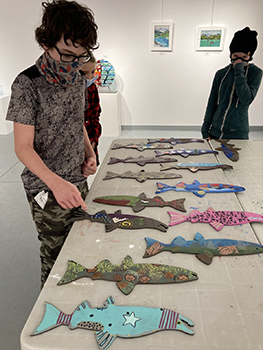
(68,19)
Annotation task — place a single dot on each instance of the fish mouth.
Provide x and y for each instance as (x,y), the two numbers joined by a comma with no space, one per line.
(184,277)
(95,326)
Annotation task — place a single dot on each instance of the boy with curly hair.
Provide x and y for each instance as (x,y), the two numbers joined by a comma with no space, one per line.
(47,107)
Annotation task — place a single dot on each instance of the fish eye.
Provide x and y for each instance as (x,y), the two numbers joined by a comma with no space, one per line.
(91,315)
(161,309)
(127,313)
(109,324)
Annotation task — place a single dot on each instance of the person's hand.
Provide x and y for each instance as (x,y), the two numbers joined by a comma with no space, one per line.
(89,167)
(67,195)
(208,139)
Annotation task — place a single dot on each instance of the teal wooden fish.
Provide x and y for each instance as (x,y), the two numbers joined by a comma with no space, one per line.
(128,275)
(204,249)
(111,321)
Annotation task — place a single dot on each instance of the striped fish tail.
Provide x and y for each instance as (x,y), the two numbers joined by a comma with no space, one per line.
(53,318)
(104,339)
(176,218)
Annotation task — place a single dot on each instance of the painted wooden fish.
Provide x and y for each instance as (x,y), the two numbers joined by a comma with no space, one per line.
(111,321)
(229,150)
(185,152)
(204,249)
(142,160)
(174,141)
(199,189)
(140,202)
(194,167)
(128,275)
(141,146)
(142,175)
(217,219)
(117,220)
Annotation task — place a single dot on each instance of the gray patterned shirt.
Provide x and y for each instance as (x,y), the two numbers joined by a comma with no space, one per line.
(58,116)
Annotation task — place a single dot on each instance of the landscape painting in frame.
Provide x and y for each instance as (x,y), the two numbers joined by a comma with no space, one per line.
(210,38)
(162,36)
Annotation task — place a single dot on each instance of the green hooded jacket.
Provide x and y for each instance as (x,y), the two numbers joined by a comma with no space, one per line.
(233,90)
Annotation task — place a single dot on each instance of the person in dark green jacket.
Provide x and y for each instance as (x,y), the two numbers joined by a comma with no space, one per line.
(234,89)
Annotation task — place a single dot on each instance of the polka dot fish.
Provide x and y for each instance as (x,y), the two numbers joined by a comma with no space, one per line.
(111,321)
(185,152)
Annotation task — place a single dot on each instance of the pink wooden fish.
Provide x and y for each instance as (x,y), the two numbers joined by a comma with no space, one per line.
(217,219)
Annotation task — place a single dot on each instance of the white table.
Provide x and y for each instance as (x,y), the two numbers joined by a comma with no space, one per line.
(226,303)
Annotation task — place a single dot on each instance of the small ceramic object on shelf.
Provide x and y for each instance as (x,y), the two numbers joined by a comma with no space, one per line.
(217,219)
(128,275)
(140,202)
(204,249)
(199,189)
(111,321)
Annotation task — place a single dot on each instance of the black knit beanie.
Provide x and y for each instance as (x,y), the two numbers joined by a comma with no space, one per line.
(245,41)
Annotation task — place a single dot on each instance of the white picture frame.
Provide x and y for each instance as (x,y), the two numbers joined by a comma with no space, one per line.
(162,36)
(210,38)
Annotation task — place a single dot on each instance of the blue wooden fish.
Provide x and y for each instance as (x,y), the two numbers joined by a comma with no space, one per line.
(204,249)
(174,141)
(185,152)
(111,321)
(194,167)
(199,189)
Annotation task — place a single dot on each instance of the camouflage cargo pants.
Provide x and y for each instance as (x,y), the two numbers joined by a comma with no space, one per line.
(52,228)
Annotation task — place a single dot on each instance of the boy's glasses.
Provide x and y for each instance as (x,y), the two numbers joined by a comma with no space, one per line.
(72,58)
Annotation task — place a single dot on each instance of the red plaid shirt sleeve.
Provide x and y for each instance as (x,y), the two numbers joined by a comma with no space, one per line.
(92,115)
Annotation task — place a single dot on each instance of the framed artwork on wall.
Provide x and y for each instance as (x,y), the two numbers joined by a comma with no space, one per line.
(210,38)
(162,36)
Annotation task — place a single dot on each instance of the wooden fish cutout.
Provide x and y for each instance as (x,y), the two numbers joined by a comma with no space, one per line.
(185,152)
(199,189)
(194,167)
(217,219)
(111,321)
(128,275)
(142,175)
(229,150)
(141,146)
(174,141)
(142,160)
(117,220)
(140,202)
(204,249)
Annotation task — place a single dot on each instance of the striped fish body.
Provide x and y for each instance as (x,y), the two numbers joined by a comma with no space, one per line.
(111,321)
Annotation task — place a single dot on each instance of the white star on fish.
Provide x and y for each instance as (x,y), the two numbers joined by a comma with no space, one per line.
(131,319)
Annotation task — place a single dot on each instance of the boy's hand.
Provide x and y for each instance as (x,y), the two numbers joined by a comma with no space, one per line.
(67,195)
(89,167)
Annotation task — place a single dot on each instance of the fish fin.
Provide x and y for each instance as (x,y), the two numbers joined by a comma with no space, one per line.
(178,241)
(142,195)
(73,272)
(114,160)
(127,261)
(167,167)
(138,207)
(49,320)
(159,153)
(177,204)
(216,225)
(176,218)
(125,287)
(104,339)
(199,193)
(78,214)
(150,250)
(198,237)
(111,175)
(194,212)
(210,209)
(196,182)
(185,155)
(163,187)
(109,301)
(110,227)
(207,259)
(117,211)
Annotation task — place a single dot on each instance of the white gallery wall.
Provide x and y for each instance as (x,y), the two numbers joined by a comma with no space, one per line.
(157,88)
